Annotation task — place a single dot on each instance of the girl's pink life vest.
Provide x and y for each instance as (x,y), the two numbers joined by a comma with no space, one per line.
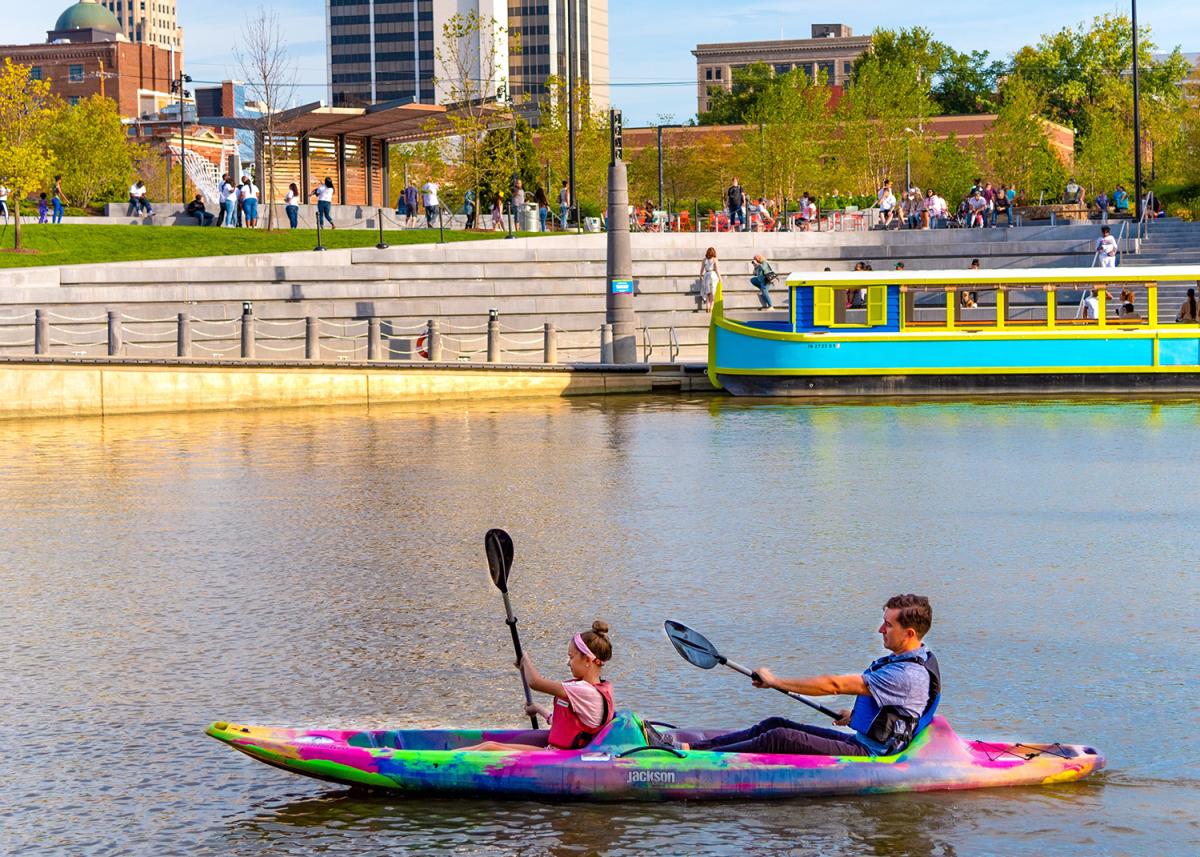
(568,732)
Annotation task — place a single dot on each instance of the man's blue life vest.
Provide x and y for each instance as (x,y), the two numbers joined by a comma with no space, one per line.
(889,726)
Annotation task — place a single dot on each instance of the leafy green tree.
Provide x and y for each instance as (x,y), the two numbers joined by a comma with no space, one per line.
(1015,146)
(915,49)
(591,145)
(749,86)
(966,83)
(792,122)
(1105,156)
(92,150)
(1069,68)
(950,170)
(877,121)
(27,111)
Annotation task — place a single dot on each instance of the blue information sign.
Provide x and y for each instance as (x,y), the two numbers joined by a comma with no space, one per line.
(622,287)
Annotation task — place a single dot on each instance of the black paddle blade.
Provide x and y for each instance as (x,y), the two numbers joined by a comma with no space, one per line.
(499,547)
(692,646)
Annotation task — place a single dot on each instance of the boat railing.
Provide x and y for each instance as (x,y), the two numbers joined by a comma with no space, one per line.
(981,306)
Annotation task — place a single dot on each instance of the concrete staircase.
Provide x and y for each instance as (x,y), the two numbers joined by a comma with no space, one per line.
(530,281)
(1169,241)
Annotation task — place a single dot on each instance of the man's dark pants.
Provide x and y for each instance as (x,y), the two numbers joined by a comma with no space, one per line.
(780,735)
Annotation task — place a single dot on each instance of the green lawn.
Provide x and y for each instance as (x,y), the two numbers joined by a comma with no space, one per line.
(70,244)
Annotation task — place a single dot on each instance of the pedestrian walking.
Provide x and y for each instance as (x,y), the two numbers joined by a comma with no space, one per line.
(222,200)
(57,200)
(709,276)
(469,208)
(410,205)
(43,208)
(518,205)
(1106,248)
(564,203)
(735,200)
(543,205)
(324,194)
(291,205)
(764,276)
(429,197)
(4,202)
(498,214)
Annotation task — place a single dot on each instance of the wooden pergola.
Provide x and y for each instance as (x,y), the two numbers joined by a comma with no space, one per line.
(349,144)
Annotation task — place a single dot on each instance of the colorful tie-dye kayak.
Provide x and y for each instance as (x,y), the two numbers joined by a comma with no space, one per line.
(620,764)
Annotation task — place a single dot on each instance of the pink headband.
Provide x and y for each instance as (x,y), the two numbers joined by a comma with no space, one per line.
(583,648)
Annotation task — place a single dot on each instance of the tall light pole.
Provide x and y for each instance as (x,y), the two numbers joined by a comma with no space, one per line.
(1137,125)
(572,196)
(908,158)
(660,163)
(177,86)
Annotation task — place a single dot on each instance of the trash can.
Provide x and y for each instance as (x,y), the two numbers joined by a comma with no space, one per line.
(529,218)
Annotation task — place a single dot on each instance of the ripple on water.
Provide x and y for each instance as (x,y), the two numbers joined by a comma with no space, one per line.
(324,568)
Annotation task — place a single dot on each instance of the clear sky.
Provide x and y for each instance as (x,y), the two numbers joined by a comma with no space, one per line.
(652,67)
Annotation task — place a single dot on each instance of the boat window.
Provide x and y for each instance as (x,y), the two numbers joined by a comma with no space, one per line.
(865,307)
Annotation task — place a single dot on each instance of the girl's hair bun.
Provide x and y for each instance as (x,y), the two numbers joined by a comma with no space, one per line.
(600,627)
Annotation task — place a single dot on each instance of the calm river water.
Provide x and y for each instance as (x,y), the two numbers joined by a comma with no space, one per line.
(325,567)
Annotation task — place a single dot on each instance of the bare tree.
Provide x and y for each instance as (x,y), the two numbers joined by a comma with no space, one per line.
(473,61)
(270,77)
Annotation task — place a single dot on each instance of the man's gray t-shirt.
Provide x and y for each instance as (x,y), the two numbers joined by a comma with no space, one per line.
(903,684)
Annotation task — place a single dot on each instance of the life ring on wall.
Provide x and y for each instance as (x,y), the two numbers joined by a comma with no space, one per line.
(422,345)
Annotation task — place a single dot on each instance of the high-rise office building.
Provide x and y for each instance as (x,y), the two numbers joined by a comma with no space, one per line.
(542,29)
(384,50)
(150,22)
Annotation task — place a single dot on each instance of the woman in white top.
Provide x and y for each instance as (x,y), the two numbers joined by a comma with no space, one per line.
(324,195)
(249,194)
(3,202)
(709,275)
(291,204)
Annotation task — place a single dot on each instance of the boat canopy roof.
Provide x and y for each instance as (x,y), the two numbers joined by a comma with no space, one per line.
(1018,277)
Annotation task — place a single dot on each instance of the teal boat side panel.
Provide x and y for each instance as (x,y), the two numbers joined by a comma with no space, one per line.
(1179,352)
(736,351)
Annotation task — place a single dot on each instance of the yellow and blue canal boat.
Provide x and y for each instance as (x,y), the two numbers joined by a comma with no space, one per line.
(1032,331)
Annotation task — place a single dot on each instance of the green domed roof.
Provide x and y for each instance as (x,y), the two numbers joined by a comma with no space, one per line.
(87,14)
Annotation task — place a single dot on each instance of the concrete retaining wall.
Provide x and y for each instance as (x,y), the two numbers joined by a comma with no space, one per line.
(59,388)
(529,281)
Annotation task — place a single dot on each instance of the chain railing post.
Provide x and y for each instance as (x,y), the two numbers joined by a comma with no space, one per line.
(183,335)
(493,336)
(312,342)
(247,330)
(550,343)
(433,342)
(41,332)
(606,343)
(114,333)
(373,338)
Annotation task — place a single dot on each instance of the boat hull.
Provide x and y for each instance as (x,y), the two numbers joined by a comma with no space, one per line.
(619,766)
(933,384)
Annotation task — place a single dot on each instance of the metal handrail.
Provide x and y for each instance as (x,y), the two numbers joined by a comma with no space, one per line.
(648,342)
(1143,223)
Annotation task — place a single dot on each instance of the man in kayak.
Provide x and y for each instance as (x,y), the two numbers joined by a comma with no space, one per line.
(896,697)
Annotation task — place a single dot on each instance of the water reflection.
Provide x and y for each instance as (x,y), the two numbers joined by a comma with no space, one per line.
(325,567)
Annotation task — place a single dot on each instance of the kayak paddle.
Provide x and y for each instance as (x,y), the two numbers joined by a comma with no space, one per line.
(695,648)
(499,547)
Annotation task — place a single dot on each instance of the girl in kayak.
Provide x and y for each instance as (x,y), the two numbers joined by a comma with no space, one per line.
(582,706)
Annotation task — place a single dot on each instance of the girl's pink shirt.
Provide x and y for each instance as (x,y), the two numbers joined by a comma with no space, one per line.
(585,700)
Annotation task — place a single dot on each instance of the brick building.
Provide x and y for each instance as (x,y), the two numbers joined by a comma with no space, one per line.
(832,50)
(86,54)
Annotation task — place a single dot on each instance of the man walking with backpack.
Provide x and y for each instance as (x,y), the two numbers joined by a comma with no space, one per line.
(735,198)
(764,275)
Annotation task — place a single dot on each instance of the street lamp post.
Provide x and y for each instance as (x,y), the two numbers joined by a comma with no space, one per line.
(660,163)
(572,195)
(1137,124)
(908,158)
(177,86)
